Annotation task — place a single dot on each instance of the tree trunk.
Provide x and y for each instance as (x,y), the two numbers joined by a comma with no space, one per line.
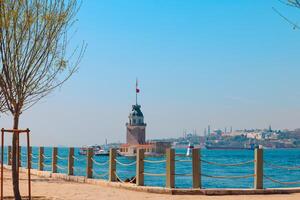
(15,159)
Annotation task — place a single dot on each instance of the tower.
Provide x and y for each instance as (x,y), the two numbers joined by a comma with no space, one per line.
(136,128)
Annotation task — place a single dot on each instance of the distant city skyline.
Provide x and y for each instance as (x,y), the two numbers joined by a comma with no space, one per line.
(199,63)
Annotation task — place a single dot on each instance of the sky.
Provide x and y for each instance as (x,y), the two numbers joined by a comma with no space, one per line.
(213,62)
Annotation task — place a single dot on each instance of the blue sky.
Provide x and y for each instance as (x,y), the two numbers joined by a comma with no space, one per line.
(218,62)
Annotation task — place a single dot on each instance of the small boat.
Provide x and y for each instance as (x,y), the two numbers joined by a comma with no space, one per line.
(189,150)
(97,150)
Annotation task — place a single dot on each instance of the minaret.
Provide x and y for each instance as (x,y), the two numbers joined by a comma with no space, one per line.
(136,128)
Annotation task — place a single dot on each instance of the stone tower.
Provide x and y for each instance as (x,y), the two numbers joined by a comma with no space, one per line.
(136,128)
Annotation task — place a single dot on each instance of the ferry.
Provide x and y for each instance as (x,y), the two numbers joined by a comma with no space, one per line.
(97,150)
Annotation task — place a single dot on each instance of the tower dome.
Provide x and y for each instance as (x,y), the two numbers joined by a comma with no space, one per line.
(136,117)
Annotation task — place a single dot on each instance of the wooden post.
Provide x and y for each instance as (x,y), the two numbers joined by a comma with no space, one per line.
(89,163)
(54,160)
(196,168)
(140,167)
(20,157)
(9,155)
(29,157)
(170,168)
(112,165)
(29,163)
(71,161)
(259,170)
(41,159)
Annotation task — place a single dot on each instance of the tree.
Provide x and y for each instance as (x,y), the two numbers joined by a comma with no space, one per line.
(291,3)
(34,59)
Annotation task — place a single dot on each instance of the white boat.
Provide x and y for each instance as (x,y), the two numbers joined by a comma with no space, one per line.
(189,150)
(97,150)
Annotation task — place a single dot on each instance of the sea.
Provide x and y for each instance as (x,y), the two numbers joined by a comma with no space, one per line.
(282,165)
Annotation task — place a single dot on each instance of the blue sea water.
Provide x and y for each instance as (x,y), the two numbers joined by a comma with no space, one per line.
(282,157)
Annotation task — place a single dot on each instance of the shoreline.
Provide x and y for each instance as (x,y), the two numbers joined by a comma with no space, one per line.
(159,190)
(48,186)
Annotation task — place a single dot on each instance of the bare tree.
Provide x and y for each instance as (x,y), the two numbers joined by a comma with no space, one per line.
(34,59)
(291,3)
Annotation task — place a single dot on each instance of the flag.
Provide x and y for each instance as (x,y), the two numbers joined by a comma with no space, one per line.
(137,87)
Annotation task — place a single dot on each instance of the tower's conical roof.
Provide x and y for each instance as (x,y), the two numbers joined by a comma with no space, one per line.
(136,111)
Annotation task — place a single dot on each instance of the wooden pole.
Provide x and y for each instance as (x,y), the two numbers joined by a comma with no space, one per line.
(9,155)
(41,159)
(89,163)
(259,172)
(140,167)
(54,160)
(170,168)
(30,157)
(196,168)
(20,156)
(29,163)
(2,157)
(112,165)
(71,161)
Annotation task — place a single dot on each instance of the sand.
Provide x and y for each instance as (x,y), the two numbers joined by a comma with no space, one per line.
(63,190)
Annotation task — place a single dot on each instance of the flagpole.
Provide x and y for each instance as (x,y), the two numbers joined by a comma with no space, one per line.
(136,93)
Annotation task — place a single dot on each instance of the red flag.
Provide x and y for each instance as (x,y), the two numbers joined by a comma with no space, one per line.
(137,87)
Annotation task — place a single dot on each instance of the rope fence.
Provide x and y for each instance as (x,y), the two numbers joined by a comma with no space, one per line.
(61,167)
(125,164)
(228,165)
(99,175)
(281,167)
(100,163)
(154,168)
(154,161)
(78,159)
(61,158)
(280,182)
(47,157)
(152,174)
(228,177)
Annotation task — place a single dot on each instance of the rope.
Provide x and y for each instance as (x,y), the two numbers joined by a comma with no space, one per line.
(47,157)
(184,174)
(151,174)
(228,165)
(119,178)
(183,160)
(61,158)
(32,155)
(23,155)
(125,164)
(229,177)
(35,163)
(154,161)
(99,163)
(132,180)
(280,182)
(77,159)
(45,165)
(122,180)
(181,155)
(60,167)
(99,175)
(282,167)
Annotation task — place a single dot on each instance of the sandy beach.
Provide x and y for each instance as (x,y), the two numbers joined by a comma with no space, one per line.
(48,188)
